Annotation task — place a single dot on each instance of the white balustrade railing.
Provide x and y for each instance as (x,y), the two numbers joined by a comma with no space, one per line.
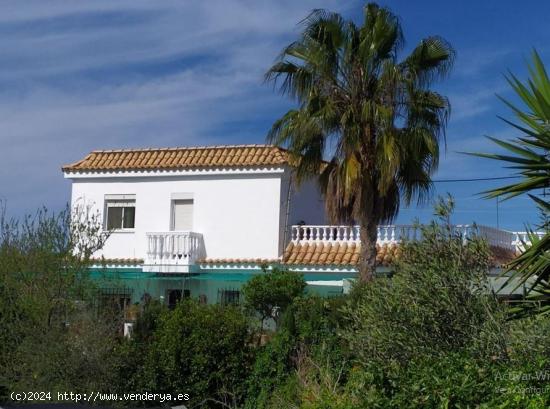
(386,234)
(174,247)
(520,238)
(325,233)
(496,237)
(396,233)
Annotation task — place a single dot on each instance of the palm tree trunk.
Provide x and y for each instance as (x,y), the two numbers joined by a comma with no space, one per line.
(367,257)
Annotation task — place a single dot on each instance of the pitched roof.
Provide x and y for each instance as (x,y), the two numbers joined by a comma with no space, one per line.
(181,158)
(347,254)
(336,253)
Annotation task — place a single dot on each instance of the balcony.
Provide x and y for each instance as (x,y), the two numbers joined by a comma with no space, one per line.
(173,252)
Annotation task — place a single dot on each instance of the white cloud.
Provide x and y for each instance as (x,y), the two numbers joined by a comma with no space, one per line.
(85,75)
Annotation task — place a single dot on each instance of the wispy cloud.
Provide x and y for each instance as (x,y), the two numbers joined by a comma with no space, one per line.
(76,76)
(475,99)
(81,75)
(480,61)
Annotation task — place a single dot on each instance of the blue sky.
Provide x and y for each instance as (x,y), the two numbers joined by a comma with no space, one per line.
(82,75)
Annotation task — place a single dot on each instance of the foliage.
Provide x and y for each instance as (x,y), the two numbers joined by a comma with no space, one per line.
(51,335)
(308,328)
(148,320)
(131,354)
(269,294)
(375,116)
(432,336)
(274,362)
(529,155)
(450,380)
(528,339)
(78,358)
(437,301)
(202,350)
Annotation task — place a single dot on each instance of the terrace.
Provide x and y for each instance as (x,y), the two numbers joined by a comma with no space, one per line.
(340,245)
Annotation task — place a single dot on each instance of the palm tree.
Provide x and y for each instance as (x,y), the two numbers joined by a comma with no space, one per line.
(375,117)
(529,155)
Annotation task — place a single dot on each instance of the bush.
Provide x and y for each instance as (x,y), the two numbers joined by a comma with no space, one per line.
(458,380)
(307,328)
(453,380)
(202,350)
(131,354)
(432,336)
(51,336)
(437,302)
(77,358)
(269,294)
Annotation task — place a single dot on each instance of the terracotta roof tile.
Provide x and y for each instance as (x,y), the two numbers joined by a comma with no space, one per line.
(117,261)
(237,261)
(347,254)
(179,158)
(336,253)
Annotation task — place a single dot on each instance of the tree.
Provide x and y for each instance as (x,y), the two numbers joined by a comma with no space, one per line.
(52,336)
(530,157)
(273,290)
(374,116)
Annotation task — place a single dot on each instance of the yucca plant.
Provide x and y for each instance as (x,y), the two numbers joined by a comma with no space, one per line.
(530,158)
(372,116)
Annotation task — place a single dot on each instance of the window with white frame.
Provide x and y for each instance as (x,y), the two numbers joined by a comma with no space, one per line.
(120,212)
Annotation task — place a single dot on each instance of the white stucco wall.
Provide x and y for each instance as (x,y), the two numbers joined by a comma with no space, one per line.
(238,214)
(305,204)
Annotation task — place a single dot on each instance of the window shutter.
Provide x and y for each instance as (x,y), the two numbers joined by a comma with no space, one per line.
(183,215)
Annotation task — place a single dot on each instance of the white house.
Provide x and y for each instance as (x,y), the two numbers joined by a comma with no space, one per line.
(167,209)
(187,210)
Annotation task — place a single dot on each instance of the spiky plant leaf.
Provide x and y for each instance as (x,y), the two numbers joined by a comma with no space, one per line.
(530,157)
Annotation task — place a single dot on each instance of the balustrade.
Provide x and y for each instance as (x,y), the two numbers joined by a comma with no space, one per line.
(397,233)
(170,248)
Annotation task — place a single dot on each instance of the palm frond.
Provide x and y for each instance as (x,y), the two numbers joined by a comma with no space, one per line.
(373,118)
(432,59)
(529,156)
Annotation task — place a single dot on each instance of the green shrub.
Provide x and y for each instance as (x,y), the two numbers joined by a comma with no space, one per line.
(453,380)
(148,320)
(130,354)
(437,302)
(432,336)
(51,335)
(269,294)
(273,364)
(202,350)
(307,328)
(529,338)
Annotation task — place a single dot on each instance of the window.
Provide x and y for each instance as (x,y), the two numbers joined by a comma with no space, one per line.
(115,300)
(228,296)
(121,214)
(175,296)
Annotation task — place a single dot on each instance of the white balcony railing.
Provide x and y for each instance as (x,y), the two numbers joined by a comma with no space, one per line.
(386,234)
(174,248)
(396,233)
(521,237)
